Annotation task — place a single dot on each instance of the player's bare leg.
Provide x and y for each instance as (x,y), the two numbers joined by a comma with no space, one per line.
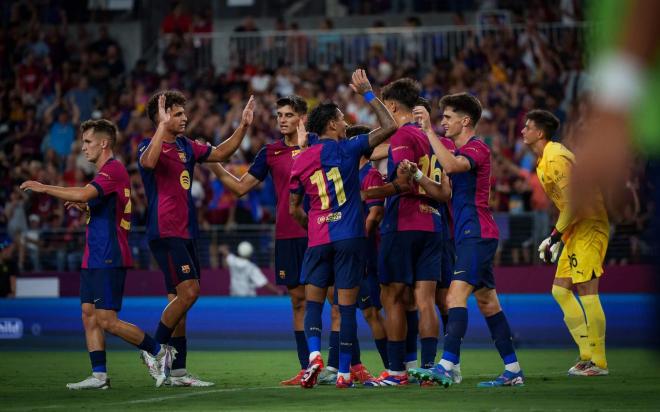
(588,292)
(297,296)
(562,292)
(95,339)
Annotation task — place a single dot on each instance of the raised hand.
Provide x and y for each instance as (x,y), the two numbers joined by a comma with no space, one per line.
(422,117)
(360,82)
(33,186)
(248,112)
(163,114)
(82,207)
(301,131)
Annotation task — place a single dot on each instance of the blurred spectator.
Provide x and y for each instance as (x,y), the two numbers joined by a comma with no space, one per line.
(8,268)
(85,98)
(244,276)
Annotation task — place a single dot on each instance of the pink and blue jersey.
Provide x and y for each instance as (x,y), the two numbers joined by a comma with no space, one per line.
(412,210)
(106,239)
(277,159)
(328,173)
(471,190)
(370,177)
(170,208)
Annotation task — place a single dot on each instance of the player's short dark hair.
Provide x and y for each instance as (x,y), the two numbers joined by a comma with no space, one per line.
(424,102)
(319,118)
(404,91)
(463,103)
(101,126)
(544,120)
(172,98)
(297,103)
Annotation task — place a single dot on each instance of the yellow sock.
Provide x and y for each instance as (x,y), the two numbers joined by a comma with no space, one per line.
(574,319)
(595,328)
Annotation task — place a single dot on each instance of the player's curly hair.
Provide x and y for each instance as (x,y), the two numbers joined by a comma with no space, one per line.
(463,103)
(544,120)
(319,118)
(101,126)
(297,103)
(172,97)
(404,91)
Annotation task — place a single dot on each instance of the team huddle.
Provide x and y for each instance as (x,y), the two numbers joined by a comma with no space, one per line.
(401,248)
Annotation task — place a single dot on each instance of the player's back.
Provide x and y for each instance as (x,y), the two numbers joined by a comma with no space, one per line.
(328,172)
(472,216)
(412,210)
(106,244)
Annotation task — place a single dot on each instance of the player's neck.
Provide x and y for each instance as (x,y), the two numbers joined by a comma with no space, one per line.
(402,118)
(291,139)
(461,139)
(105,156)
(539,146)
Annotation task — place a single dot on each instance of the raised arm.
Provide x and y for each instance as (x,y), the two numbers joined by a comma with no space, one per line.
(149,158)
(399,185)
(360,84)
(70,194)
(227,148)
(237,186)
(450,162)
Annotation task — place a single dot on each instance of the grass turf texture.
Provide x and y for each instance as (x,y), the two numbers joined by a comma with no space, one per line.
(249,381)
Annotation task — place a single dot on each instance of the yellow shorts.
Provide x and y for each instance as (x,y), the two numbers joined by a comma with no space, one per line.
(584,251)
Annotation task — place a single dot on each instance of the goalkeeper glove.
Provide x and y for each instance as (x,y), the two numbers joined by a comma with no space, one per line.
(549,248)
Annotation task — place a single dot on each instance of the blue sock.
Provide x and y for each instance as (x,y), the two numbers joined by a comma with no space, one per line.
(347,336)
(355,360)
(98,361)
(301,346)
(395,353)
(180,343)
(163,333)
(456,328)
(381,345)
(150,345)
(313,324)
(429,350)
(411,336)
(333,350)
(501,334)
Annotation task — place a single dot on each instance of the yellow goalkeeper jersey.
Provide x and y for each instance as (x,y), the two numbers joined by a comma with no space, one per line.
(554,172)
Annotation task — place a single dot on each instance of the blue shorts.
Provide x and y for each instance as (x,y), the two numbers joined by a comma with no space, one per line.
(474,262)
(448,262)
(410,256)
(338,263)
(177,258)
(289,254)
(103,287)
(369,295)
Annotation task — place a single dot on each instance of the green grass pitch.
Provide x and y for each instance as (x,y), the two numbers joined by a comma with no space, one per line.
(249,381)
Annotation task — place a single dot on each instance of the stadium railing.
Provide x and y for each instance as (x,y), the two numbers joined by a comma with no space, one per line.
(299,49)
(520,235)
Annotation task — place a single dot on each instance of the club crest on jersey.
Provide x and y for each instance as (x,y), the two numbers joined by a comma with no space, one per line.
(282,274)
(295,152)
(185,268)
(331,217)
(182,156)
(184,179)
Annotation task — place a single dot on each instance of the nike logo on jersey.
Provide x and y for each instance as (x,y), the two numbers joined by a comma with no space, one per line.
(167,150)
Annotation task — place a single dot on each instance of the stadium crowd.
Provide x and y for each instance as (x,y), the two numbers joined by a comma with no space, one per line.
(54,76)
